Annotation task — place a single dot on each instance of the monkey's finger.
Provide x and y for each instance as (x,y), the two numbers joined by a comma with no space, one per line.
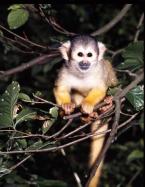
(108,100)
(87,108)
(68,108)
(94,115)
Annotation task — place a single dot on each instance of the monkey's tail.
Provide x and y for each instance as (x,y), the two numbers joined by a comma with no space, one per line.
(96,147)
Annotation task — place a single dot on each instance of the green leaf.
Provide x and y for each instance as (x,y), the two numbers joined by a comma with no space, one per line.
(17,18)
(15,6)
(47,125)
(134,155)
(35,145)
(54,112)
(1,33)
(22,143)
(24,97)
(136,97)
(7,103)
(112,91)
(134,50)
(4,171)
(133,56)
(25,115)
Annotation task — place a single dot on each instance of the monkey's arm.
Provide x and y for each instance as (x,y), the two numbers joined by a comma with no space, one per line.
(63,98)
(62,95)
(93,97)
(111,79)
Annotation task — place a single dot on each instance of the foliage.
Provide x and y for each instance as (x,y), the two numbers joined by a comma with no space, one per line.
(17,17)
(27,123)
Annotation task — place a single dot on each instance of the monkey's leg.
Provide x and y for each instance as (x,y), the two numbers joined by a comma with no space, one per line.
(77,98)
(63,98)
(94,97)
(96,147)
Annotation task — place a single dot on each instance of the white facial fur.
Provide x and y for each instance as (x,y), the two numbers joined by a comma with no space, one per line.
(84,51)
(75,58)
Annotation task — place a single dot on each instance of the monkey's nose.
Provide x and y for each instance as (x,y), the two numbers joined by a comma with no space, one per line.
(84,65)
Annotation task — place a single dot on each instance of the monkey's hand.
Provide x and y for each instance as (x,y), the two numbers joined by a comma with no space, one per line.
(94,97)
(68,108)
(109,102)
(87,107)
(91,117)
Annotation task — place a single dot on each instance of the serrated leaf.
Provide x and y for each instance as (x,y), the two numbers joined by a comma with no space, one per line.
(7,103)
(24,97)
(134,155)
(17,18)
(133,56)
(136,97)
(15,6)
(25,115)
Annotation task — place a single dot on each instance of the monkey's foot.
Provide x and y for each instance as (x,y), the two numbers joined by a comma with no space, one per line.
(87,108)
(109,102)
(89,117)
(68,108)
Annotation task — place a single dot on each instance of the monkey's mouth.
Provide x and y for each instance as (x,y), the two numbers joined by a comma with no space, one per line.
(84,66)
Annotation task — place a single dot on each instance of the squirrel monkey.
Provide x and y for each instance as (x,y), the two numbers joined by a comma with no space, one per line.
(83,81)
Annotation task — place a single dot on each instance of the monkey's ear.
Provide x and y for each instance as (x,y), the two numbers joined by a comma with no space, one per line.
(102,49)
(64,50)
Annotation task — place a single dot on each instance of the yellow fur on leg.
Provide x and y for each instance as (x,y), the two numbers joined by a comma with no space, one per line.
(93,97)
(96,147)
(62,95)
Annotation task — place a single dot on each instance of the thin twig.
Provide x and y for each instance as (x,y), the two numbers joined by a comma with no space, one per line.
(45,101)
(75,174)
(23,39)
(38,60)
(20,163)
(133,178)
(128,72)
(139,28)
(70,143)
(51,21)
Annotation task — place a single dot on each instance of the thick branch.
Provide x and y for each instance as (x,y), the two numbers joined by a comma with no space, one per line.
(113,22)
(38,60)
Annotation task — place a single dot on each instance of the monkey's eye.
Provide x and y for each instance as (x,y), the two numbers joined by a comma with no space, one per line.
(89,54)
(80,54)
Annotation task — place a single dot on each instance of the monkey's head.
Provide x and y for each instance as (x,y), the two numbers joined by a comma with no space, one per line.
(82,53)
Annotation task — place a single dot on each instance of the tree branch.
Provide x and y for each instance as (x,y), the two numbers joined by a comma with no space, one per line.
(38,60)
(113,22)
(139,28)
(23,39)
(117,98)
